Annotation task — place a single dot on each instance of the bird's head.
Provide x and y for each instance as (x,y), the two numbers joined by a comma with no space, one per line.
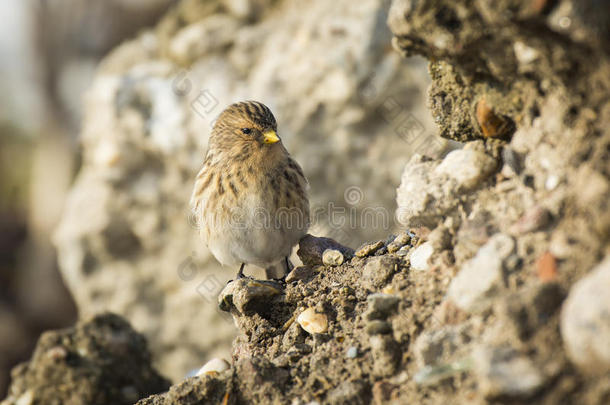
(247,125)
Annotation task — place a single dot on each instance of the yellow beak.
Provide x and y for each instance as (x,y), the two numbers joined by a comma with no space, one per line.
(270,137)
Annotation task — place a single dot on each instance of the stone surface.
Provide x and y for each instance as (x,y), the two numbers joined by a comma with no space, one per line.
(427,187)
(246,296)
(585,326)
(481,277)
(369,248)
(503,372)
(379,270)
(99,361)
(466,167)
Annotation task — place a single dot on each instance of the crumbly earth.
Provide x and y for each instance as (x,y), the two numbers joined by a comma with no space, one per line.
(99,361)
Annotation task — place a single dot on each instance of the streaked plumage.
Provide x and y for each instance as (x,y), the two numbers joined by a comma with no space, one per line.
(250,197)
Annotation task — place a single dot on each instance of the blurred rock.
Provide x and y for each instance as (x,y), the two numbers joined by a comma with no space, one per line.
(379,270)
(503,372)
(426,189)
(481,278)
(467,167)
(99,361)
(584,320)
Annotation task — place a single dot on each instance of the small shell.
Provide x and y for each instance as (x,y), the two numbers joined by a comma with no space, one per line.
(313,322)
(332,257)
(214,366)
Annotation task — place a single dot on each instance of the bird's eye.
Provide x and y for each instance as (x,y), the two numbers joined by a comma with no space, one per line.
(246,131)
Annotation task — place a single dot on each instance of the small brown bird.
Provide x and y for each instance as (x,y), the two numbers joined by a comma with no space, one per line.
(250,197)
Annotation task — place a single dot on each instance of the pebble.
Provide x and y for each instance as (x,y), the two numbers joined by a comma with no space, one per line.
(312,248)
(332,257)
(481,277)
(398,242)
(215,365)
(369,248)
(247,296)
(525,54)
(381,305)
(467,167)
(352,352)
(547,267)
(492,125)
(378,270)
(585,325)
(503,372)
(421,256)
(313,322)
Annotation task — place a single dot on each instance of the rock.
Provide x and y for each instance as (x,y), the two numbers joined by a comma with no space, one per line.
(546,266)
(352,352)
(99,361)
(527,310)
(421,255)
(248,296)
(491,124)
(467,167)
(584,320)
(350,392)
(422,197)
(379,270)
(481,277)
(312,248)
(214,366)
(300,273)
(386,356)
(503,372)
(313,322)
(332,257)
(399,241)
(381,305)
(439,346)
(369,248)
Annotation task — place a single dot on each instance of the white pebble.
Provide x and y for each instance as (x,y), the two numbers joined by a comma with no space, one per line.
(352,352)
(421,255)
(332,257)
(313,322)
(213,366)
(551,182)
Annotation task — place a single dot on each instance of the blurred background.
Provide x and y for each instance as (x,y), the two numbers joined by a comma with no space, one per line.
(106,107)
(49,51)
